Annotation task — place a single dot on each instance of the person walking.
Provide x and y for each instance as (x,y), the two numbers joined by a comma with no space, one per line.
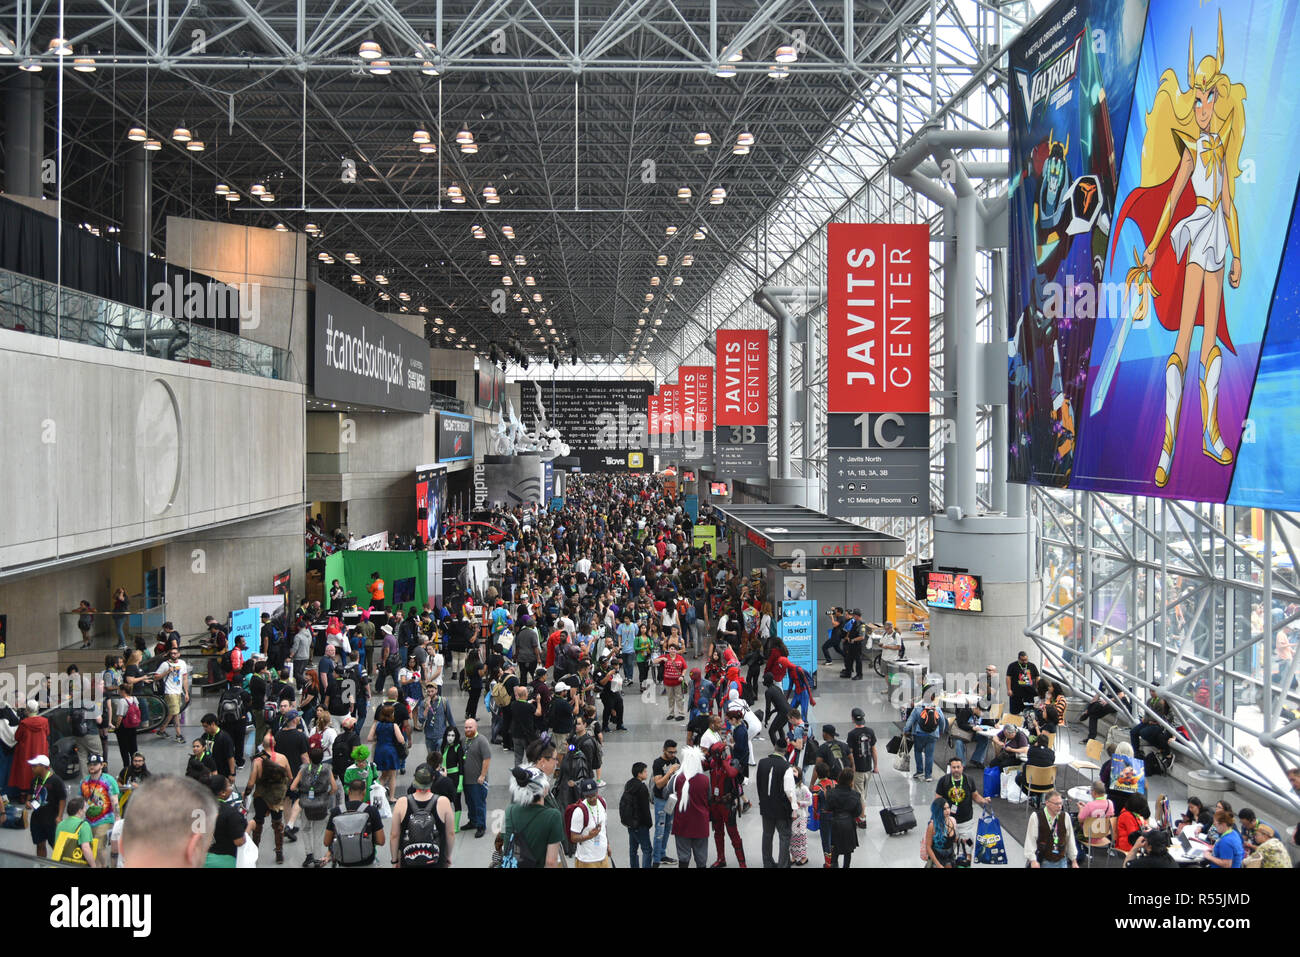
(691,816)
(926,725)
(477,761)
(634,814)
(862,749)
(843,807)
(423,832)
(664,768)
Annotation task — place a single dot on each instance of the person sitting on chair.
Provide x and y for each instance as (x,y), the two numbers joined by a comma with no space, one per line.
(1009,744)
(1040,756)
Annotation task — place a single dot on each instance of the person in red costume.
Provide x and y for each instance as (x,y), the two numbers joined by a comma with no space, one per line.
(724,798)
(30,739)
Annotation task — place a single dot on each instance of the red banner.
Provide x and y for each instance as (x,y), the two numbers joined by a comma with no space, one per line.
(697,398)
(742,377)
(671,412)
(653,415)
(878,317)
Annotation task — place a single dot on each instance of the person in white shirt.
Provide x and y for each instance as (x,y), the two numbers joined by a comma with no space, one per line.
(567,624)
(433,666)
(587,828)
(668,617)
(582,566)
(711,737)
(175,675)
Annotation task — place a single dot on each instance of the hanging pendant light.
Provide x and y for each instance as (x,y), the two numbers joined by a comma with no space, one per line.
(181,134)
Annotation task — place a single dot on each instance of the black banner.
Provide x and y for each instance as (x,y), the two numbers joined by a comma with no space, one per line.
(603,422)
(455,437)
(359,356)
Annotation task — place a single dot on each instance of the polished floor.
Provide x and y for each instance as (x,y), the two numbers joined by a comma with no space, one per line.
(836,698)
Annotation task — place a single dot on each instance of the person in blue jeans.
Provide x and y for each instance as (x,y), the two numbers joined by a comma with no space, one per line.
(627,633)
(634,809)
(665,766)
(926,724)
(478,758)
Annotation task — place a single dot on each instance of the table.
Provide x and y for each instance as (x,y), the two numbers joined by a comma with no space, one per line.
(1081,794)
(952,701)
(986,732)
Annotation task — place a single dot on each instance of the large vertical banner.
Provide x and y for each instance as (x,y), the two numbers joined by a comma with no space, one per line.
(798,629)
(696,388)
(740,409)
(655,406)
(878,317)
(430,498)
(671,415)
(1072,83)
(1171,372)
(878,389)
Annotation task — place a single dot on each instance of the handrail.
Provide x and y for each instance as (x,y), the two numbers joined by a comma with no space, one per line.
(28,304)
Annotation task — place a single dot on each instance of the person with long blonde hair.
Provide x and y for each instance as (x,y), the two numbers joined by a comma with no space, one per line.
(1186,212)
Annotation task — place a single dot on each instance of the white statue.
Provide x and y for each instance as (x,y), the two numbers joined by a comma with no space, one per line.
(511,438)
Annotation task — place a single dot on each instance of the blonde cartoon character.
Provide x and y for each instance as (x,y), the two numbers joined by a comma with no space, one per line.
(1185,211)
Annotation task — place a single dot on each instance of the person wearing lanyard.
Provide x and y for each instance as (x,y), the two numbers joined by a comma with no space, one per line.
(1049,841)
(1228,850)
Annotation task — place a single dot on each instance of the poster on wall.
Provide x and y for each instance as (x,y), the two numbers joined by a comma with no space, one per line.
(430,500)
(455,576)
(246,623)
(798,629)
(455,437)
(1170,373)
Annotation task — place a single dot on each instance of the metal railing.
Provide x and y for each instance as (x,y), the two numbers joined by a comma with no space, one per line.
(44,308)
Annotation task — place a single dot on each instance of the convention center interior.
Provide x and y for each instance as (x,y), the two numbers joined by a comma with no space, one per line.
(650,434)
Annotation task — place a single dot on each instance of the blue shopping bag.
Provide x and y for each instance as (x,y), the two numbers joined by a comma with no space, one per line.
(989,846)
(992,782)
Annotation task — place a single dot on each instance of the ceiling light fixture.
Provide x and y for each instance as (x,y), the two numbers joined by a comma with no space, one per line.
(654,280)
(428,69)
(428,147)
(520,260)
(196,146)
(494,259)
(59,46)
(537,297)
(670,231)
(786,54)
(420,136)
(231,197)
(745,139)
(677,280)
(699,233)
(136,134)
(490,195)
(181,134)
(267,197)
(717,197)
(381,68)
(508,232)
(507,281)
(30,65)
(530,281)
(6,48)
(740,150)
(257,189)
(777,72)
(684,193)
(725,71)
(702,138)
(221,189)
(153,146)
(84,64)
(661,260)
(517,297)
(370,50)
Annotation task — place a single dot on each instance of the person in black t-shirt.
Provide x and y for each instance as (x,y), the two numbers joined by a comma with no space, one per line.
(228,832)
(292,743)
(961,791)
(1150,849)
(48,797)
(522,721)
(862,750)
(220,746)
(1022,679)
(355,799)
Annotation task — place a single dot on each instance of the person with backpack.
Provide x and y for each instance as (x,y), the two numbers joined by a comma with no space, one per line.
(926,724)
(634,814)
(586,826)
(268,783)
(534,831)
(423,831)
(218,744)
(833,751)
(340,756)
(353,831)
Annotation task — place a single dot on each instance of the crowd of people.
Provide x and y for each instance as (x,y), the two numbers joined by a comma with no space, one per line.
(606,597)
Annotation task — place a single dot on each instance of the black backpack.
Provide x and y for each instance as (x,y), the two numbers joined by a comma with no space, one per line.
(77,723)
(929,720)
(421,836)
(341,752)
(226,662)
(627,807)
(836,754)
(230,707)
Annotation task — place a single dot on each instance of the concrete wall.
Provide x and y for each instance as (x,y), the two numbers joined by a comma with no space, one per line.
(214,571)
(276,262)
(107,448)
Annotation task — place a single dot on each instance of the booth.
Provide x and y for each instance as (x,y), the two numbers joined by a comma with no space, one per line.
(806,555)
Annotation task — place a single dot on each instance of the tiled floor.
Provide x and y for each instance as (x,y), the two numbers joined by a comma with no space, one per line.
(836,698)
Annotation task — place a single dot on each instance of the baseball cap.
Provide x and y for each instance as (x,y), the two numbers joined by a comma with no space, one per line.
(587,787)
(41,760)
(94,759)
(829,729)
(858,714)
(291,714)
(423,776)
(561,686)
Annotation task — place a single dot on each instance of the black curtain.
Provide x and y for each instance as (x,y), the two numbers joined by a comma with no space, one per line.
(93,265)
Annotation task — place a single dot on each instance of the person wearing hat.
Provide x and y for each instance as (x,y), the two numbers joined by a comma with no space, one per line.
(423,832)
(862,748)
(586,826)
(101,792)
(1151,849)
(48,798)
(854,638)
(76,847)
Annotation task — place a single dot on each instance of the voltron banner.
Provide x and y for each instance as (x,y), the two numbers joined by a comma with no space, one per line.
(1148,290)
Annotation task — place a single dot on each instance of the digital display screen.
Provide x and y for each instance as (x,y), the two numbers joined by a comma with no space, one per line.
(954,590)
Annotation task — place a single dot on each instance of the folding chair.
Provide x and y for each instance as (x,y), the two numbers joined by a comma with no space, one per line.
(1038,781)
(1099,832)
(1094,749)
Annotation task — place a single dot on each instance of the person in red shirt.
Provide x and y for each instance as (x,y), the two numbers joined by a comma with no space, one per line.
(674,671)
(553,642)
(691,818)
